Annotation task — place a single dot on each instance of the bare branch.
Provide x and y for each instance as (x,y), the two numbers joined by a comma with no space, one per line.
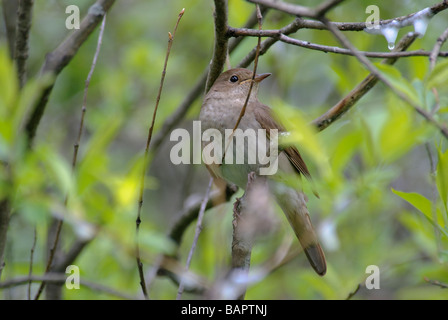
(366,62)
(58,278)
(266,44)
(75,152)
(436,283)
(196,235)
(343,26)
(293,9)
(24,17)
(146,154)
(360,90)
(221,43)
(237,32)
(195,92)
(4,223)
(30,272)
(436,50)
(58,59)
(257,54)
(242,240)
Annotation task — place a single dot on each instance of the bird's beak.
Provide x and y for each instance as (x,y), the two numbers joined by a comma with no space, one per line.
(260,77)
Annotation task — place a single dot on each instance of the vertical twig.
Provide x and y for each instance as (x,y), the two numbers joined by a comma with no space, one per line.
(221,43)
(241,246)
(59,58)
(24,17)
(257,54)
(75,151)
(4,223)
(243,109)
(148,142)
(196,236)
(30,273)
(242,239)
(436,49)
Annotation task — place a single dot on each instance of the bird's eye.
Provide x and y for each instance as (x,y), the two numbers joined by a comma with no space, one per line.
(233,79)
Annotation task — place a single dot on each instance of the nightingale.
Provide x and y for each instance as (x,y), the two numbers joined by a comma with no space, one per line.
(220,110)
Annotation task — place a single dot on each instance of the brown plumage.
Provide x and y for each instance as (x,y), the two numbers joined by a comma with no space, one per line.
(220,110)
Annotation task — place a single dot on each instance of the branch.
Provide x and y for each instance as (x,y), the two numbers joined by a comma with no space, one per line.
(196,236)
(436,50)
(366,62)
(30,272)
(436,283)
(24,16)
(58,59)
(190,213)
(266,44)
(343,26)
(242,240)
(148,142)
(257,54)
(361,89)
(75,152)
(194,93)
(221,43)
(58,278)
(4,223)
(238,32)
(298,10)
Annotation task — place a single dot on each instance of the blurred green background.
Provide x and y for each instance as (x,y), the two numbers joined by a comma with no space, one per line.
(381,171)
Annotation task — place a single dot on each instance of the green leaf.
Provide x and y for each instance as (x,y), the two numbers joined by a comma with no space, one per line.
(8,84)
(303,135)
(399,133)
(439,75)
(398,81)
(422,204)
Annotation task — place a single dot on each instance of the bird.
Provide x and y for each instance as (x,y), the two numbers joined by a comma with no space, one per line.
(220,110)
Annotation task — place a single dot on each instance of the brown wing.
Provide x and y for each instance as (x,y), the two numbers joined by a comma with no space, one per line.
(264,116)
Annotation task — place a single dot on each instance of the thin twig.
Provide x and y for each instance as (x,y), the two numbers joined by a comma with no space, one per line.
(343,26)
(148,142)
(366,62)
(436,50)
(196,91)
(360,90)
(241,247)
(242,239)
(436,283)
(75,152)
(237,32)
(58,278)
(257,54)
(196,235)
(354,292)
(221,43)
(30,272)
(243,109)
(4,223)
(58,59)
